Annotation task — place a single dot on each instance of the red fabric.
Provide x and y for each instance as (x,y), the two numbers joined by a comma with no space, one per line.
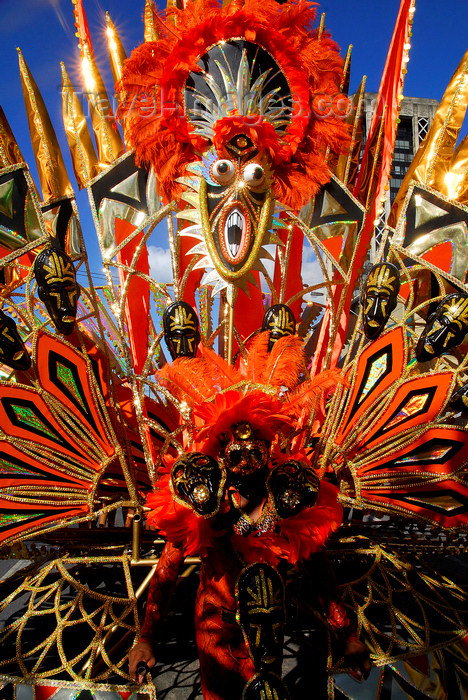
(137,299)
(161,588)
(390,87)
(81,24)
(248,310)
(337,617)
(44,692)
(225,663)
(294,282)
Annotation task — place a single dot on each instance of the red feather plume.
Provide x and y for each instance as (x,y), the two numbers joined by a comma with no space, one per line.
(154,77)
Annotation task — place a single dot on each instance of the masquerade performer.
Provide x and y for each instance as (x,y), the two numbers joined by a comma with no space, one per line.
(248,507)
(296,448)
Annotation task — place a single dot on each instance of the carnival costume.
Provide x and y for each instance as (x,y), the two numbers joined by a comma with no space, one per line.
(292,424)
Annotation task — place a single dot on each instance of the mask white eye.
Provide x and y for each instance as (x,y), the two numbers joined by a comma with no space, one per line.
(254,175)
(223,171)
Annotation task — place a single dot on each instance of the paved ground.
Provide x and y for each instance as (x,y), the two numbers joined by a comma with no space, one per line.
(176,675)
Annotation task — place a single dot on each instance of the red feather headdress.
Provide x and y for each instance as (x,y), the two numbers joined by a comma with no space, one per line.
(270,390)
(154,79)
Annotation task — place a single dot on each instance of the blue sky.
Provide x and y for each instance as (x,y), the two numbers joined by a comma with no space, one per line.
(44,30)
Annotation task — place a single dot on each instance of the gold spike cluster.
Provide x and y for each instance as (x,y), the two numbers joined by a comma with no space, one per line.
(53,176)
(108,140)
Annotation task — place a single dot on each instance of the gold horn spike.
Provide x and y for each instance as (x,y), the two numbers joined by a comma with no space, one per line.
(344,86)
(84,159)
(151,26)
(321,27)
(432,161)
(10,153)
(109,143)
(117,53)
(347,167)
(53,175)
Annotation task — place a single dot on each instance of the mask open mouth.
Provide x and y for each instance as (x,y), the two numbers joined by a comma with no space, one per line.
(234,232)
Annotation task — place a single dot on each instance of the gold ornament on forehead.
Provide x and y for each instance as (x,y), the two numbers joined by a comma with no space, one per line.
(243,431)
(456,311)
(283,321)
(58,270)
(382,276)
(264,596)
(181,319)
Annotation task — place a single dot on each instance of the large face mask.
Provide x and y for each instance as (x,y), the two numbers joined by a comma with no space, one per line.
(444,329)
(197,480)
(181,330)
(235,204)
(294,486)
(379,298)
(261,614)
(12,350)
(57,287)
(280,321)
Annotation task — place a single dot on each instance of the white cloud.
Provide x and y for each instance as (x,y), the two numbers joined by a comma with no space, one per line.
(160,264)
(311,273)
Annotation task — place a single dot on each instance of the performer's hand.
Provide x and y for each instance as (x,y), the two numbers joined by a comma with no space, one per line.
(357,658)
(142,653)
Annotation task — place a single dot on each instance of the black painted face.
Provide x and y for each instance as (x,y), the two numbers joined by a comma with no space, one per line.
(294,486)
(280,321)
(12,351)
(261,614)
(198,481)
(57,287)
(245,458)
(445,328)
(181,330)
(379,298)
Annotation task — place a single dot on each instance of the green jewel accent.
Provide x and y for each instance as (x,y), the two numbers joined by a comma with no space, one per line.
(7,518)
(65,375)
(26,415)
(9,468)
